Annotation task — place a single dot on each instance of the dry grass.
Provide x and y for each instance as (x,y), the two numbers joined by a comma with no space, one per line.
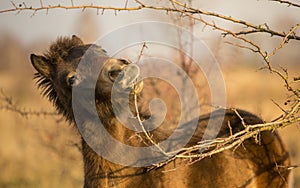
(36,151)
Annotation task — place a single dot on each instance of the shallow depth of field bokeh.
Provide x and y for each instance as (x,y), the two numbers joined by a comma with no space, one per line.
(44,151)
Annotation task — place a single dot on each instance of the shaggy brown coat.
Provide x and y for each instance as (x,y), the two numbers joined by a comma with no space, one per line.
(250,165)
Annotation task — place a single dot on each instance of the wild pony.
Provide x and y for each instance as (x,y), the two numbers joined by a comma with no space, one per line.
(252,164)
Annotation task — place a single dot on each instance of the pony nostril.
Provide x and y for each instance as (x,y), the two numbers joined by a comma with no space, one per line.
(124,61)
(113,74)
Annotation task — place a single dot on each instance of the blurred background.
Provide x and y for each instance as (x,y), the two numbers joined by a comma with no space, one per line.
(39,150)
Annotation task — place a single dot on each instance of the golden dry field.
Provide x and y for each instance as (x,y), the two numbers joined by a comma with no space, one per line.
(42,150)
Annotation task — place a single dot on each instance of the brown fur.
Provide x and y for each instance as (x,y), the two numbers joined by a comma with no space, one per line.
(250,165)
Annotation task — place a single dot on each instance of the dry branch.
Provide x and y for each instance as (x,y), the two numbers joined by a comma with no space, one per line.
(141,52)
(287,2)
(231,142)
(251,45)
(263,28)
(285,40)
(177,8)
(7,103)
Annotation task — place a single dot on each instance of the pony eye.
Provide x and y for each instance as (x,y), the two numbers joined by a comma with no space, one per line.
(71,79)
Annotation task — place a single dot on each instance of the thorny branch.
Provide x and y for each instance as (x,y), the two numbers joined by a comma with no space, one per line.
(284,40)
(186,10)
(144,130)
(179,8)
(287,2)
(138,113)
(231,142)
(218,145)
(290,116)
(141,52)
(7,103)
(251,45)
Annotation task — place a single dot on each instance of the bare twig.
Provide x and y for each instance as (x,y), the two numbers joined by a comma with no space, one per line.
(257,28)
(294,110)
(287,2)
(241,46)
(221,144)
(144,130)
(141,52)
(278,171)
(284,40)
(138,113)
(7,103)
(80,7)
(279,106)
(241,118)
(255,47)
(178,7)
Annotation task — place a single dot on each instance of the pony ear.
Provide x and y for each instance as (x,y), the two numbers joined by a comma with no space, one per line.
(41,64)
(76,39)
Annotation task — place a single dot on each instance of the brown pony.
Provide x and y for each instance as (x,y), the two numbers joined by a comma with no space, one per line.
(252,164)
